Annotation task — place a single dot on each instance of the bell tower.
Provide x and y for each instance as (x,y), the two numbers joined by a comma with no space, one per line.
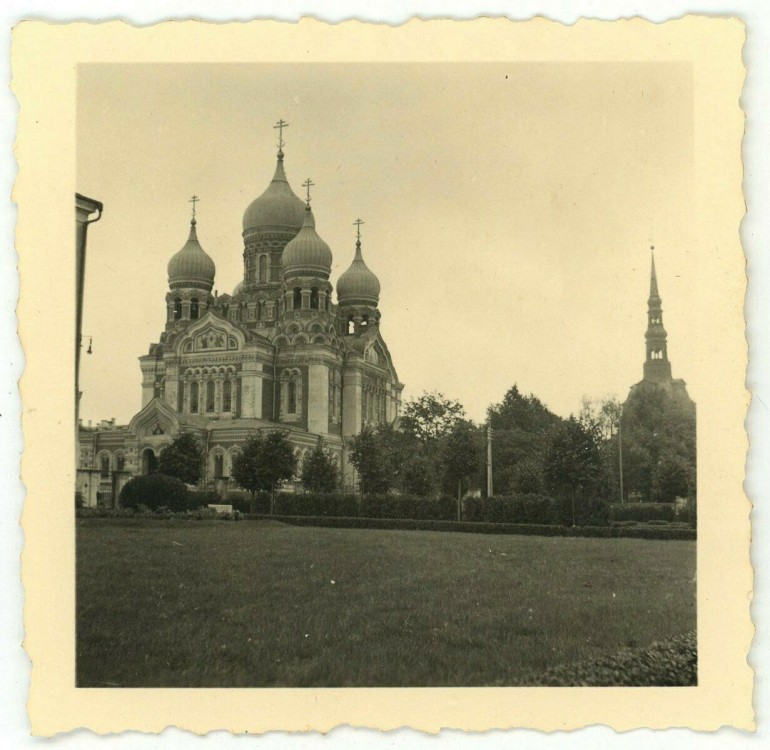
(657,367)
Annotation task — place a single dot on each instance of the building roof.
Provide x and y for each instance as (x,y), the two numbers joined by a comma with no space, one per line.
(307,254)
(358,284)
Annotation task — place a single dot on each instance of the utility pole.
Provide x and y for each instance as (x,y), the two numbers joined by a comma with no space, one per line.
(489,456)
(620,451)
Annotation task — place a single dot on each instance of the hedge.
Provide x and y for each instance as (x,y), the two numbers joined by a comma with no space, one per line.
(513,509)
(607,532)
(642,512)
(316,504)
(408,507)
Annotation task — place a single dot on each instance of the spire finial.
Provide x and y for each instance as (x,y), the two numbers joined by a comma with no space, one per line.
(193,200)
(307,184)
(279,126)
(357,224)
(653,276)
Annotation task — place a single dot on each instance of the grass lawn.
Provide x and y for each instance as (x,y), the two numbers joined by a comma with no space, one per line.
(258,604)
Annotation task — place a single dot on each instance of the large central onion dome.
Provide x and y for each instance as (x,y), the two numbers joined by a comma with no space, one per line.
(307,254)
(277,207)
(191,266)
(358,285)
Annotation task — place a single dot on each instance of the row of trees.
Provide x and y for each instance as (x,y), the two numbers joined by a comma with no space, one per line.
(436,450)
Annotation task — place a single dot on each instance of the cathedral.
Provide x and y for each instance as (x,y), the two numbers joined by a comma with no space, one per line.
(277,353)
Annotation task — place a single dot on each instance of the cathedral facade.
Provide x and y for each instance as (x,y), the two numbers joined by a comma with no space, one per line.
(277,353)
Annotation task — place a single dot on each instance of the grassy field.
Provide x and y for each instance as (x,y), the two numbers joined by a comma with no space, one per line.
(256,604)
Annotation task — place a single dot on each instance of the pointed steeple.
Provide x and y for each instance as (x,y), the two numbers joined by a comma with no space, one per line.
(653,277)
(656,366)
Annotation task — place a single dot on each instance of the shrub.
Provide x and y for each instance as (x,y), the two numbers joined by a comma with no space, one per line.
(154,491)
(316,504)
(79,500)
(538,509)
(642,512)
(242,502)
(408,507)
(201,498)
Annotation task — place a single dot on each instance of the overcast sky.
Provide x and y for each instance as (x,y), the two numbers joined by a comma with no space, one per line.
(508,209)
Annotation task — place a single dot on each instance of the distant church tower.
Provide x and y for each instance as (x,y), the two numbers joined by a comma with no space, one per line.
(657,367)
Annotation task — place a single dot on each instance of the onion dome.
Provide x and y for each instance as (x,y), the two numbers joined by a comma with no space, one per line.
(238,288)
(277,207)
(358,285)
(191,266)
(307,254)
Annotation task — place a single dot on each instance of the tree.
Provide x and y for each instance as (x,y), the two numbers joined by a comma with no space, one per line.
(319,471)
(430,417)
(522,427)
(369,454)
(461,457)
(573,462)
(419,475)
(264,462)
(183,459)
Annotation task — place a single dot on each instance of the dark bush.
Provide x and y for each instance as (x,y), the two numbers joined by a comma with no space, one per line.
(79,500)
(408,507)
(154,491)
(538,509)
(316,504)
(642,512)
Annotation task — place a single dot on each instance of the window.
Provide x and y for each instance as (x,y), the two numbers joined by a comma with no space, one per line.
(193,398)
(120,462)
(297,298)
(326,303)
(219,466)
(194,310)
(314,298)
(291,401)
(351,325)
(227,395)
(262,269)
(210,392)
(104,466)
(177,308)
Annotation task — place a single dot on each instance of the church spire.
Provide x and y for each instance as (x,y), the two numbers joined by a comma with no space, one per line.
(656,366)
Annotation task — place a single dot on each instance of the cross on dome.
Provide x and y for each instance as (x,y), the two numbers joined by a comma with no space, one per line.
(308,183)
(193,200)
(357,224)
(279,126)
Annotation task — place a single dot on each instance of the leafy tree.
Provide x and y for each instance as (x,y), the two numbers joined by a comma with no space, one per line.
(431,416)
(522,427)
(461,456)
(183,459)
(419,475)
(319,471)
(374,462)
(573,462)
(264,461)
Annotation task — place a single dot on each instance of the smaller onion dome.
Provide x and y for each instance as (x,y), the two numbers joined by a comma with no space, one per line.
(191,266)
(307,254)
(238,288)
(358,285)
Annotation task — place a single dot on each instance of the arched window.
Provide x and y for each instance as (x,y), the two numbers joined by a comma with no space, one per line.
(193,398)
(210,391)
(326,303)
(177,308)
(194,310)
(297,298)
(291,401)
(227,395)
(262,268)
(219,466)
(351,325)
(314,298)
(120,462)
(104,466)
(261,310)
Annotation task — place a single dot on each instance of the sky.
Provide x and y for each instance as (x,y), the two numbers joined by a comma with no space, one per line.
(509,211)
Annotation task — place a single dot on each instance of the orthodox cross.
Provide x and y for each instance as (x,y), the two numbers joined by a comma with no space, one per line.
(279,126)
(308,183)
(193,200)
(357,223)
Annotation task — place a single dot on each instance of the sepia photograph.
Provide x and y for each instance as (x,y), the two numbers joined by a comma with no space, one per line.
(386,375)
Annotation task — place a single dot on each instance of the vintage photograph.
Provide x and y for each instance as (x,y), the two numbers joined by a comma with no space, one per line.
(386,375)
